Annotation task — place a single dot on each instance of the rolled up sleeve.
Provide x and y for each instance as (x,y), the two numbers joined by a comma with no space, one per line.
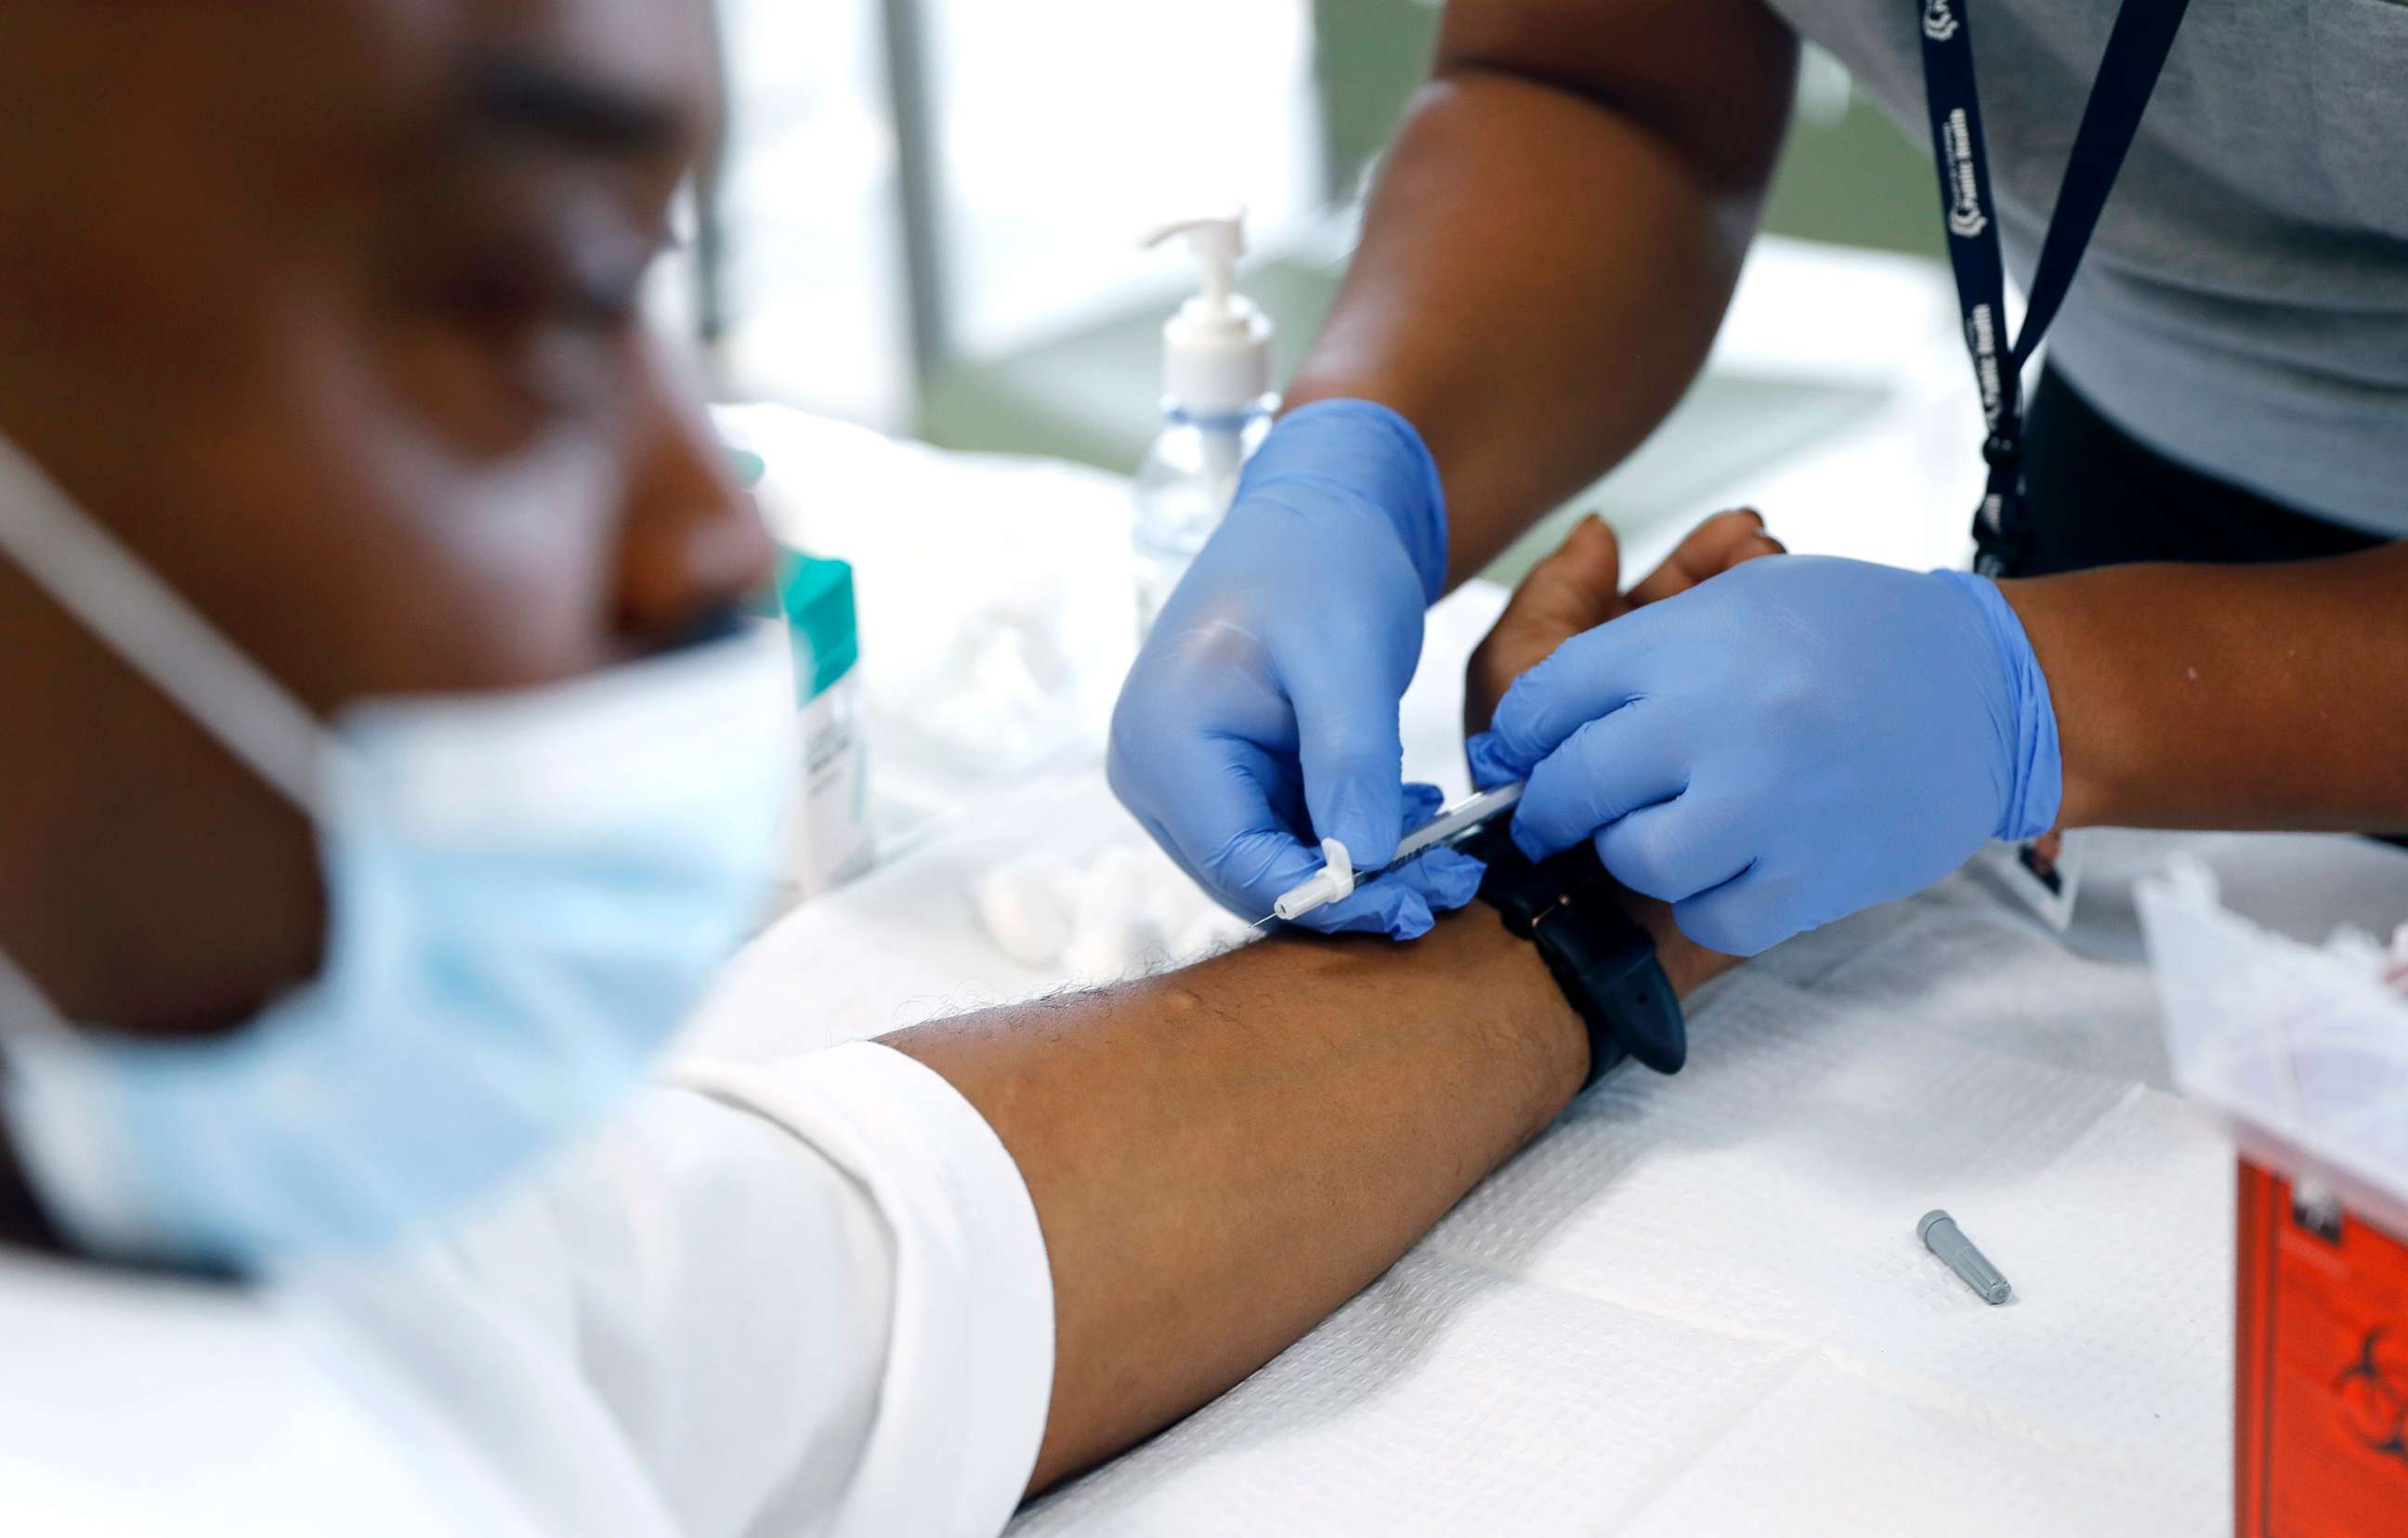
(805,1298)
(961,1396)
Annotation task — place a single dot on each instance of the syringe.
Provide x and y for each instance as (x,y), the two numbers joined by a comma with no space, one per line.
(1337,880)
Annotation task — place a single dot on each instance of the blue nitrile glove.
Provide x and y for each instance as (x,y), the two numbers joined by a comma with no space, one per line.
(1794,741)
(1262,714)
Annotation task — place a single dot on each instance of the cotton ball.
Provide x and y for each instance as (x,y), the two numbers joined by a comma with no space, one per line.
(1188,921)
(1119,880)
(1153,884)
(1209,934)
(1181,921)
(1027,908)
(1110,949)
(1113,934)
(1175,901)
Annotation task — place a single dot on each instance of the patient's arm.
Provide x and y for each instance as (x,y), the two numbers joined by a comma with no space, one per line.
(1221,1157)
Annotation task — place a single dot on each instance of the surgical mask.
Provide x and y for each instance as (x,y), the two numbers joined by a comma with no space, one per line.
(526,893)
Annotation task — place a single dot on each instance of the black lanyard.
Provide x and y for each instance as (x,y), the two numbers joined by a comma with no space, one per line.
(2136,54)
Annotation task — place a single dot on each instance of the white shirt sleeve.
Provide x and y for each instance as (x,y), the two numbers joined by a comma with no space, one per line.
(811,1297)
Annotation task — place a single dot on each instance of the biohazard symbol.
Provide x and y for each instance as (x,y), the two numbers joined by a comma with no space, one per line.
(2373,1393)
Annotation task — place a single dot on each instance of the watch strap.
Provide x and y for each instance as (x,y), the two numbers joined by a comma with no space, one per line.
(1600,958)
(1608,968)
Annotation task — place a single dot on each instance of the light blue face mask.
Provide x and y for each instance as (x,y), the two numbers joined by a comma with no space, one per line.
(526,894)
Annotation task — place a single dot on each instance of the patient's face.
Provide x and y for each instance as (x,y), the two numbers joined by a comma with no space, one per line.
(329,311)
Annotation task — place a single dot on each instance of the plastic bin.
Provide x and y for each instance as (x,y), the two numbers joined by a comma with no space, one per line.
(2302,1052)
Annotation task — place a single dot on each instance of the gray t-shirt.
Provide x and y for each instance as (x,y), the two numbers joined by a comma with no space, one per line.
(2244,307)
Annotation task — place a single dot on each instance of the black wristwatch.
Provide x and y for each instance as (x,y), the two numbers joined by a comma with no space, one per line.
(1605,963)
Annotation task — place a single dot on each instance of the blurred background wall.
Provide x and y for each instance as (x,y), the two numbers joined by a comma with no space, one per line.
(928,215)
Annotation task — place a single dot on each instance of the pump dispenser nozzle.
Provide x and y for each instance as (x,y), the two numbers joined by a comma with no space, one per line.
(1217,348)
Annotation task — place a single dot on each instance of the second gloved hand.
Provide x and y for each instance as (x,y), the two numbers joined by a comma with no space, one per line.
(1262,714)
(1796,740)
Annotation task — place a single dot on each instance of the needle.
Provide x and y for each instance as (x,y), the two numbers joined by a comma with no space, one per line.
(1337,880)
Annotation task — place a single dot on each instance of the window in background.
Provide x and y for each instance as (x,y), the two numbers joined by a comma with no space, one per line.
(927,218)
(805,255)
(915,186)
(1146,112)
(1065,126)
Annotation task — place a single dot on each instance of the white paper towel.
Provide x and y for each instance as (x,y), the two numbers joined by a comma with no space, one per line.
(1697,1305)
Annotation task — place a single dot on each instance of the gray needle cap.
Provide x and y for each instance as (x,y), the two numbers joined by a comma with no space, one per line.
(1943,1237)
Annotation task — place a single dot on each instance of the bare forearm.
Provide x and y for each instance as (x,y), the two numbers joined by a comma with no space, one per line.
(2234,697)
(1554,241)
(1221,1156)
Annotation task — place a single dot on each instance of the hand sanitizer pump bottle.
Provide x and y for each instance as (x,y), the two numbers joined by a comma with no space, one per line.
(1217,408)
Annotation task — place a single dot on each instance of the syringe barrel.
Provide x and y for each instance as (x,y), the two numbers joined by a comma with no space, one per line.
(1459,818)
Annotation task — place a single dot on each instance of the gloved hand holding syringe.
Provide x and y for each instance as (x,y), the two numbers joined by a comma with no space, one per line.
(1337,880)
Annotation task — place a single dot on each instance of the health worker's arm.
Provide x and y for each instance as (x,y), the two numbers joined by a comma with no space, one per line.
(1553,245)
(1554,240)
(1801,738)
(2230,697)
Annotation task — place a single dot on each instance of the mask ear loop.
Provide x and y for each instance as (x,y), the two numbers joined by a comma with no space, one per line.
(151,627)
(55,1121)
(27,1017)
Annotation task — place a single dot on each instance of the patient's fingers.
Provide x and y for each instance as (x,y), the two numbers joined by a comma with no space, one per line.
(1576,589)
(1713,548)
(1579,588)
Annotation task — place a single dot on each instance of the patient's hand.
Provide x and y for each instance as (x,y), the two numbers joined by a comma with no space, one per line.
(1578,588)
